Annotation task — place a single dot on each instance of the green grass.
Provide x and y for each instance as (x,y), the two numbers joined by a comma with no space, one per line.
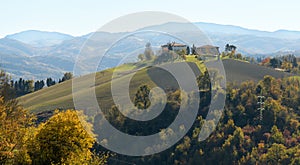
(200,64)
(60,95)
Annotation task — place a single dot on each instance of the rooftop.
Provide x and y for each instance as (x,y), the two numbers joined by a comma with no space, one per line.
(174,44)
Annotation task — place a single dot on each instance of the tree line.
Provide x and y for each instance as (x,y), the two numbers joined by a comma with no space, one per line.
(288,63)
(22,87)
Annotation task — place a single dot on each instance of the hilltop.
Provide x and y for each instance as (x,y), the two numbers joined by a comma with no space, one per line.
(60,95)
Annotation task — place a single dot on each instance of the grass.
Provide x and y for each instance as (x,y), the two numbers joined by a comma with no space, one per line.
(60,95)
(237,71)
(200,64)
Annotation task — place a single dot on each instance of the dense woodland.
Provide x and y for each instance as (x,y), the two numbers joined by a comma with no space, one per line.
(240,137)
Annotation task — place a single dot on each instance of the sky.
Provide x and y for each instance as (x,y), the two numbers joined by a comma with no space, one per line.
(81,17)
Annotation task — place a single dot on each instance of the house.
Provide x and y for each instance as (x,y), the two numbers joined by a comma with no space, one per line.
(174,46)
(208,50)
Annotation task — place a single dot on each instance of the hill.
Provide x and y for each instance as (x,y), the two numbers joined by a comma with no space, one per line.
(58,50)
(60,95)
(231,29)
(237,71)
(40,38)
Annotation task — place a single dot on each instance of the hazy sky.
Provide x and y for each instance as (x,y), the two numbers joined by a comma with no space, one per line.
(80,17)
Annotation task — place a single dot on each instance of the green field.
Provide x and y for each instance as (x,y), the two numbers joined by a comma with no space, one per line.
(60,96)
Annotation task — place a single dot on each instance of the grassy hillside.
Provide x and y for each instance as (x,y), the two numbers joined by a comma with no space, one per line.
(60,95)
(238,71)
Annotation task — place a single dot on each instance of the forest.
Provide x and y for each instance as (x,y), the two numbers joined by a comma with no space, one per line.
(241,136)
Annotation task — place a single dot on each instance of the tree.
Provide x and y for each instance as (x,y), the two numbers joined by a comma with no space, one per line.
(23,87)
(287,66)
(148,52)
(275,63)
(233,146)
(6,89)
(29,86)
(63,139)
(227,48)
(276,155)
(50,82)
(67,76)
(14,125)
(188,50)
(203,81)
(276,136)
(170,46)
(230,48)
(194,50)
(294,62)
(141,57)
(239,56)
(141,99)
(39,85)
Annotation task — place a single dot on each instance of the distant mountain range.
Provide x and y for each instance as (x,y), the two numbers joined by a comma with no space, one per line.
(231,30)
(40,38)
(38,54)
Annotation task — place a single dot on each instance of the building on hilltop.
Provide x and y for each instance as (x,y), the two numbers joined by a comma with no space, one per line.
(174,46)
(208,50)
(203,52)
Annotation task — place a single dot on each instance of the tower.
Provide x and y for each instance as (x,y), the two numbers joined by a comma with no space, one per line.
(261,108)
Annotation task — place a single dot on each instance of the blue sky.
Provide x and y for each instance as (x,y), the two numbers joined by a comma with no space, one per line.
(81,17)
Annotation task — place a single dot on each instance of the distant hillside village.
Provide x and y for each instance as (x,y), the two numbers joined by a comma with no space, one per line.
(203,51)
(285,63)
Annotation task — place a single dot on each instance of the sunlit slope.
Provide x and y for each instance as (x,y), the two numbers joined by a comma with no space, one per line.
(60,96)
(238,71)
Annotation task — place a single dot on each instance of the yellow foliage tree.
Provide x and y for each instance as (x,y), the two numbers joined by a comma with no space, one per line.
(14,125)
(63,139)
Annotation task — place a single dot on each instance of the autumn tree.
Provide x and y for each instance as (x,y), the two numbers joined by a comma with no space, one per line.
(14,126)
(15,123)
(64,139)
(67,76)
(142,97)
(204,81)
(276,154)
(276,135)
